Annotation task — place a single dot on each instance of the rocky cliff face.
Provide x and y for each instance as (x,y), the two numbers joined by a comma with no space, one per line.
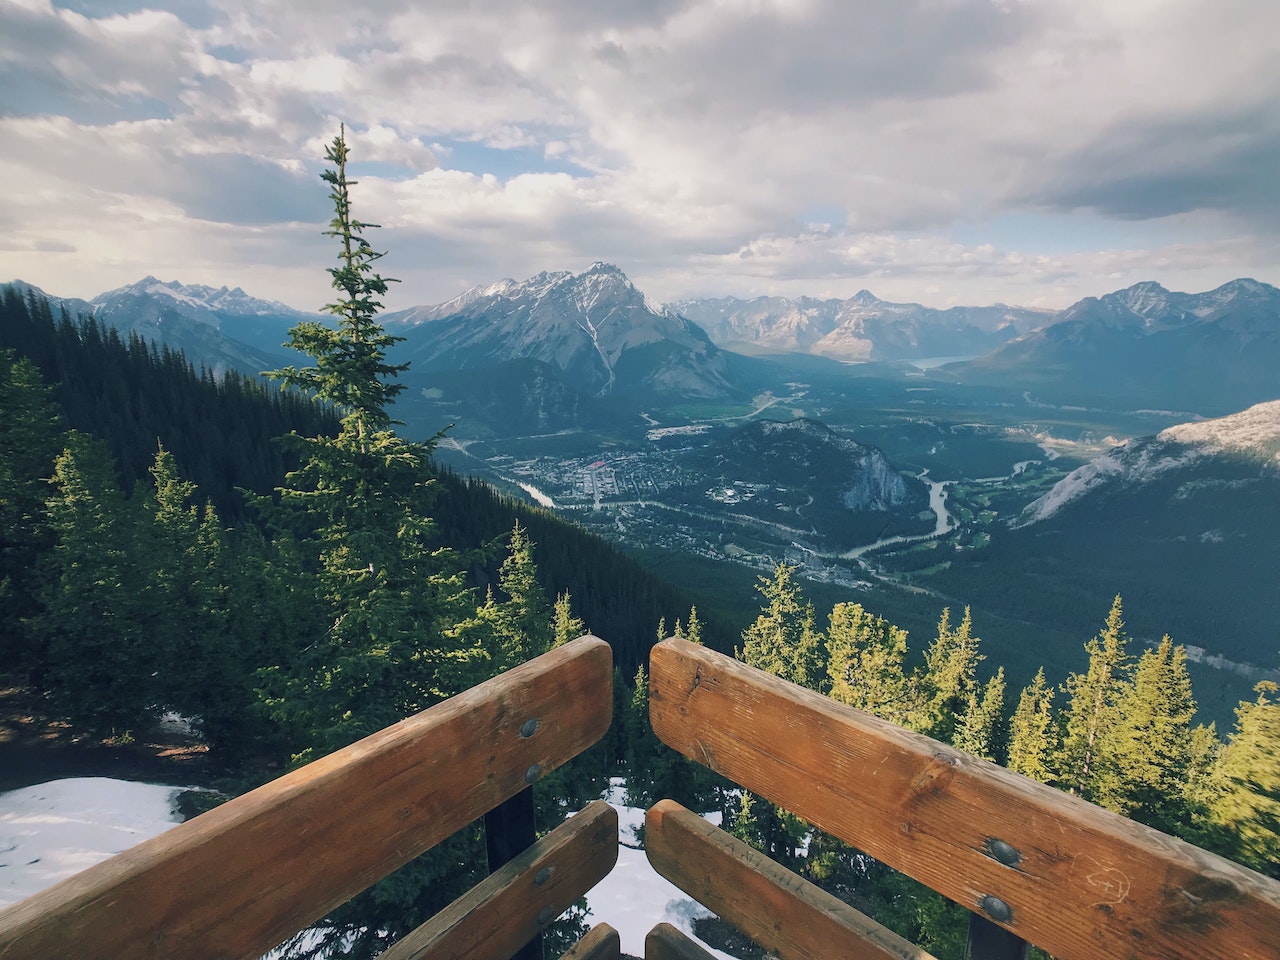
(810,454)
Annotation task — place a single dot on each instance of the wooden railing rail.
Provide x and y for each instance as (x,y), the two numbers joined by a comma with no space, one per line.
(246,876)
(1076,880)
(784,913)
(516,902)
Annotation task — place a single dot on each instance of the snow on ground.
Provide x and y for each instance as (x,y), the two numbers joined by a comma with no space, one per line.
(51,831)
(55,829)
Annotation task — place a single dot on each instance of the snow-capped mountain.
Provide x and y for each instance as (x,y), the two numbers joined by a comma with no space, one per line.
(595,327)
(1145,345)
(219,326)
(1249,439)
(197,298)
(860,328)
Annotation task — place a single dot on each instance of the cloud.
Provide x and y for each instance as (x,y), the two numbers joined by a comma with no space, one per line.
(687,140)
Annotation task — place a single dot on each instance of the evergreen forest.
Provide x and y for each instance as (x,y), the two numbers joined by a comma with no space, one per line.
(273,560)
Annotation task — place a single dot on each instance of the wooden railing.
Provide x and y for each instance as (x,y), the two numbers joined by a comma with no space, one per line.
(1041,866)
(248,875)
(1033,864)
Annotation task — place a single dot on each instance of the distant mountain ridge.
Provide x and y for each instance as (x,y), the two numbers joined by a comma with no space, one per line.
(862,327)
(1141,347)
(595,327)
(1215,351)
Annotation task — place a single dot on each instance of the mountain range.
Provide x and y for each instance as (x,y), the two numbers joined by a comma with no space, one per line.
(564,341)
(1211,352)
(863,327)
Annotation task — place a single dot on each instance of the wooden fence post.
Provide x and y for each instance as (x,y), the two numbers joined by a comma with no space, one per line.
(990,941)
(509,830)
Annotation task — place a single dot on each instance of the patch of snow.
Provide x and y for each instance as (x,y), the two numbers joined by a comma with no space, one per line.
(53,830)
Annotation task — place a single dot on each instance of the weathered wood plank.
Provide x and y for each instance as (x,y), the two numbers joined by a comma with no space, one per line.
(1080,882)
(245,876)
(507,909)
(601,943)
(779,909)
(665,942)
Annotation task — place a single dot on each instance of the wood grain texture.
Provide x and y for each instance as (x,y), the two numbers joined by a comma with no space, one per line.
(601,943)
(779,909)
(245,876)
(503,912)
(1087,884)
(665,942)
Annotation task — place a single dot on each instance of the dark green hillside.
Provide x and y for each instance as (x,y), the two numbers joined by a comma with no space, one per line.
(1200,549)
(518,398)
(135,395)
(223,434)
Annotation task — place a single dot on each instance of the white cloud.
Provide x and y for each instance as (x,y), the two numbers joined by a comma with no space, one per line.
(691,142)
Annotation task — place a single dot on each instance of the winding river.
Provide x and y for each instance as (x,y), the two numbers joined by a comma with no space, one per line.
(937,503)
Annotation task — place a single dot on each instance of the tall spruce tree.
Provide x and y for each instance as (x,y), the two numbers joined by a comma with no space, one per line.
(1244,813)
(392,599)
(1092,708)
(1032,731)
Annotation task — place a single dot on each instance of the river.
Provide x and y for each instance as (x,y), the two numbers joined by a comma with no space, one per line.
(539,497)
(937,503)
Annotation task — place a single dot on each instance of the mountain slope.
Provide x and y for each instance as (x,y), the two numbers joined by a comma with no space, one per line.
(1248,441)
(595,327)
(1183,525)
(847,491)
(220,327)
(1213,352)
(860,328)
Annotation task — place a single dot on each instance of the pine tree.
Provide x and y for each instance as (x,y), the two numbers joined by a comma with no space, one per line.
(1092,707)
(1244,814)
(980,730)
(693,631)
(784,639)
(399,621)
(564,625)
(949,678)
(1150,760)
(29,442)
(865,657)
(1032,740)
(100,656)
(518,628)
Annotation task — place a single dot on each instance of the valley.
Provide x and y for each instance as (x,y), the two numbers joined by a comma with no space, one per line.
(663,489)
(887,451)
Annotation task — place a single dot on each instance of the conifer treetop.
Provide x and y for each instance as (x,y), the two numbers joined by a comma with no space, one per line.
(351,371)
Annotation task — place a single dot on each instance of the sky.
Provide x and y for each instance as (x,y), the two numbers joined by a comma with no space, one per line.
(940,151)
